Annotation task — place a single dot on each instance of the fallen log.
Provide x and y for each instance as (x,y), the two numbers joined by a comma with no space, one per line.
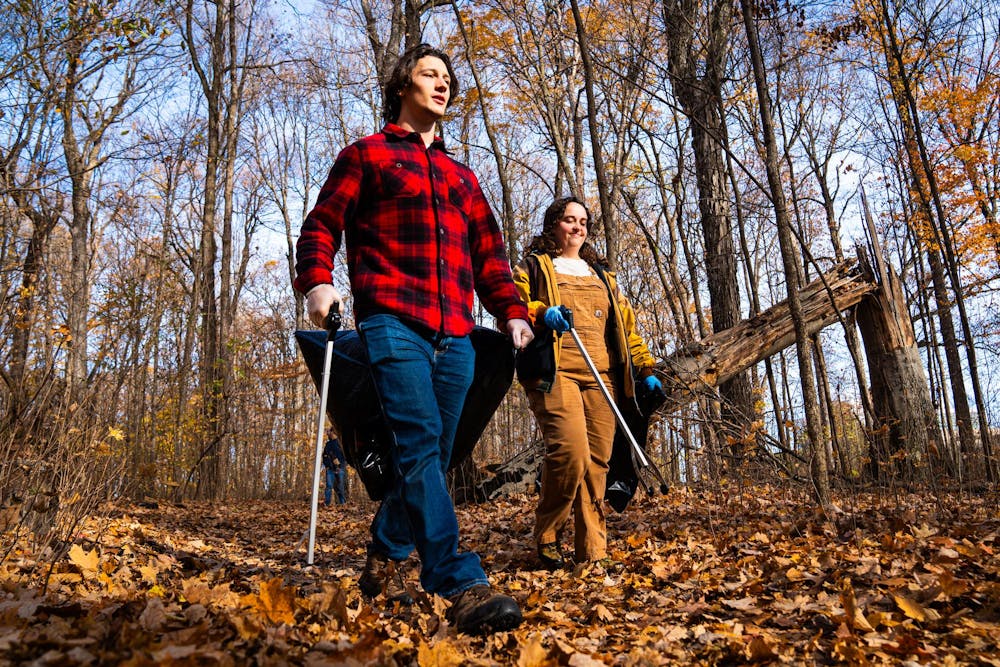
(706,363)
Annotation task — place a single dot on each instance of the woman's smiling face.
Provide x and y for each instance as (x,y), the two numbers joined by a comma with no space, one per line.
(571,232)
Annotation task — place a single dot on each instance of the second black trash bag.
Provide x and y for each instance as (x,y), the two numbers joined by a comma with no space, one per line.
(354,408)
(623,478)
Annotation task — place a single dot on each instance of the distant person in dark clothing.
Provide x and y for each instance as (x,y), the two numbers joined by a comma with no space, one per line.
(333,461)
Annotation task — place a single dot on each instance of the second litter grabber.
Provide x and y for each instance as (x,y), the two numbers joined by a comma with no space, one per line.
(639,458)
(331,324)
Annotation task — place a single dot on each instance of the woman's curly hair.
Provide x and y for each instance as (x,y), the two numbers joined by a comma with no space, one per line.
(546,241)
(400,79)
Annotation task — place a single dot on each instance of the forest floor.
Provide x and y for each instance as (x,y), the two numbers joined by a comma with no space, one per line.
(751,575)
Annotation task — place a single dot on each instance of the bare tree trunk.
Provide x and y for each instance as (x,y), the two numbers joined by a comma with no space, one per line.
(608,218)
(925,181)
(700,96)
(404,30)
(803,347)
(42,226)
(906,421)
(936,368)
(211,75)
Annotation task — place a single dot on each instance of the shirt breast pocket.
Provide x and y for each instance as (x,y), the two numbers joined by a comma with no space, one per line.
(398,178)
(460,193)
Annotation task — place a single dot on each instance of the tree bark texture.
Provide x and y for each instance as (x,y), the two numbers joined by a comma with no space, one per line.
(790,263)
(699,94)
(906,427)
(607,213)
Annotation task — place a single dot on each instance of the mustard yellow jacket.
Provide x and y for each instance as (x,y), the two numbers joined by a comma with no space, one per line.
(631,348)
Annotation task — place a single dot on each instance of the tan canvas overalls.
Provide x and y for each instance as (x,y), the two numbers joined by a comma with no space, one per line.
(578,425)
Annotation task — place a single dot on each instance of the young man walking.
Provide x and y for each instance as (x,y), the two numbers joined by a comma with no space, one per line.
(420,236)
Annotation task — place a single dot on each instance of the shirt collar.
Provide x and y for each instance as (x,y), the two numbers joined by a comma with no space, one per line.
(392,130)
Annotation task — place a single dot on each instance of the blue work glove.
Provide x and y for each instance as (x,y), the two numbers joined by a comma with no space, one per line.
(653,384)
(555,319)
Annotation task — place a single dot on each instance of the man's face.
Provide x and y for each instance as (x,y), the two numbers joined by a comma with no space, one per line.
(427,96)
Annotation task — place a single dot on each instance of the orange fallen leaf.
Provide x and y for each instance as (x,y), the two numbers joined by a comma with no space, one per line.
(87,561)
(914,609)
(602,613)
(278,601)
(442,654)
(533,654)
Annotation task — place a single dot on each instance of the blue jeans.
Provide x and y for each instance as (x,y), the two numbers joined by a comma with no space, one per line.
(334,481)
(422,380)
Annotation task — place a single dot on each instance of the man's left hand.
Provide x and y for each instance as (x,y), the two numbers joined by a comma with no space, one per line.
(520,333)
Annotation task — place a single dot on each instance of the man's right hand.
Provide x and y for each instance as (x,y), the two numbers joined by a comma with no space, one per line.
(318,303)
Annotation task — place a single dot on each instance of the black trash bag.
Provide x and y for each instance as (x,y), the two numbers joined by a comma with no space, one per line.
(623,480)
(354,407)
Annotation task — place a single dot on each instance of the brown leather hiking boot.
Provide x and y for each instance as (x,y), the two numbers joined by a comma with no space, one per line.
(382,575)
(550,556)
(479,610)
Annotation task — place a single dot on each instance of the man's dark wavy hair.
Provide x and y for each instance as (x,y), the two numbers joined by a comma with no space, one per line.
(546,241)
(400,79)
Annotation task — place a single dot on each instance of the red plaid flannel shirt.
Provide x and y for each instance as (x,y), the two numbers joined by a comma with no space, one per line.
(420,235)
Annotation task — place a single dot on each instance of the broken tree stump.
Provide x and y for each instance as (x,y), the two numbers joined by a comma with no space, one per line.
(905,425)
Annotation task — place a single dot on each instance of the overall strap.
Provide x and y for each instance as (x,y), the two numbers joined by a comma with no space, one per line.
(534,275)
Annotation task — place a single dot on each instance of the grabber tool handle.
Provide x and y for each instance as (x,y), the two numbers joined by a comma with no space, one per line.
(568,314)
(637,451)
(331,323)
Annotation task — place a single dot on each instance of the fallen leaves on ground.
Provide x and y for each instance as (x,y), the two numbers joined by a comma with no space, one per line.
(755,576)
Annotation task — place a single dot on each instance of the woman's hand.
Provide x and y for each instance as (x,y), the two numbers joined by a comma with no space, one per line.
(555,318)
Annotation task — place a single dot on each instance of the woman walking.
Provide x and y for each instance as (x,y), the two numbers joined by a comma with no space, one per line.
(563,271)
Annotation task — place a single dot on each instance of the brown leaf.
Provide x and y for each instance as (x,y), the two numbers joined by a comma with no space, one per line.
(277,601)
(950,586)
(532,653)
(602,613)
(169,654)
(246,626)
(853,616)
(88,561)
(148,573)
(743,604)
(660,570)
(153,616)
(760,650)
(914,609)
(584,660)
(442,654)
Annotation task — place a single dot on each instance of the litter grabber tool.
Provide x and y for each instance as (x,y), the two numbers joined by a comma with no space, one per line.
(639,458)
(331,324)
